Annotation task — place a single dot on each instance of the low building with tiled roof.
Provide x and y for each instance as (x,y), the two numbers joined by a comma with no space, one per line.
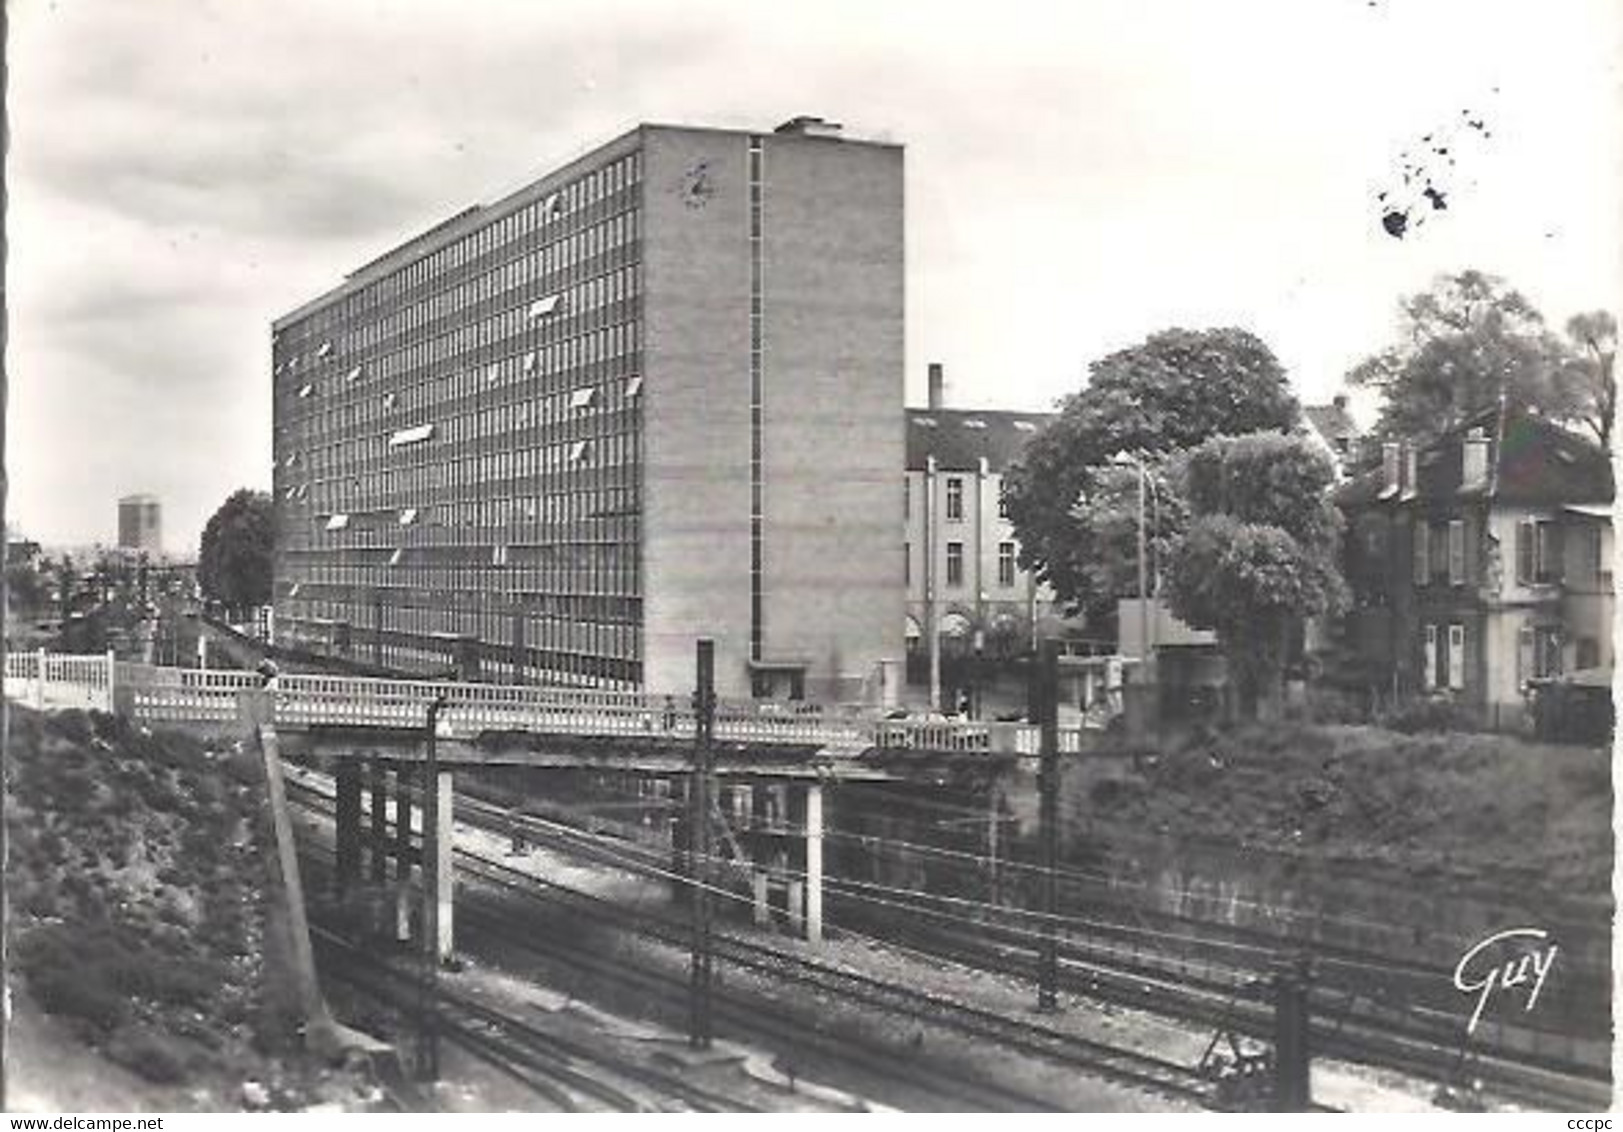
(1482,560)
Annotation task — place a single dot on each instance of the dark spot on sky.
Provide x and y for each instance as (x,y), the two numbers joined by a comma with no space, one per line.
(1438,200)
(1396,222)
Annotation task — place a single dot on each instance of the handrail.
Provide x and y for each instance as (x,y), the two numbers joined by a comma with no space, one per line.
(302,699)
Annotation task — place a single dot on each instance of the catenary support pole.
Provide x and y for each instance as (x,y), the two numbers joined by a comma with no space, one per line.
(429,1063)
(1293,1090)
(1048,821)
(704,707)
(347,816)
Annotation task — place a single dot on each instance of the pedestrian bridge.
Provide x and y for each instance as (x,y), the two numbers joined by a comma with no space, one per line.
(483,712)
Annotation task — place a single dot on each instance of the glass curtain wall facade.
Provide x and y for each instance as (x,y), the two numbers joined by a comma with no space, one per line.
(458,432)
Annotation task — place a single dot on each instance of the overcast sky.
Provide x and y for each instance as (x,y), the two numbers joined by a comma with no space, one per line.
(1079,175)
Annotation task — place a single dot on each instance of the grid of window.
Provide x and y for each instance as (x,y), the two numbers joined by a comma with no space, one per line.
(955,499)
(757,508)
(955,564)
(470,406)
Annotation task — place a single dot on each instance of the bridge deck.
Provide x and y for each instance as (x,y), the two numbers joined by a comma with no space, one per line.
(524,724)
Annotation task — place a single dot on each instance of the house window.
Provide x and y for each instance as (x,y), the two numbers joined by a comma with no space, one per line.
(907,564)
(955,564)
(1002,504)
(1429,658)
(1456,552)
(1538,652)
(1422,553)
(1537,554)
(907,499)
(1588,653)
(1595,552)
(1005,563)
(1456,657)
(955,499)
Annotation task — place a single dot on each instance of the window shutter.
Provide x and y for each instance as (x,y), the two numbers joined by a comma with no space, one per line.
(1429,658)
(1456,657)
(1524,552)
(1456,552)
(1422,557)
(1524,654)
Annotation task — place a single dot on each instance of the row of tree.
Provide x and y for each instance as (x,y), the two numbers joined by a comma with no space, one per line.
(1242,530)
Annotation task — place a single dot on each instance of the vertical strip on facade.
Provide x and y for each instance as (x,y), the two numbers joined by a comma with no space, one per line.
(756,501)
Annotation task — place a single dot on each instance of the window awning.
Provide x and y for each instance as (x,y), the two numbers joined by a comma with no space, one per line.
(546,306)
(582,398)
(1593,510)
(408,516)
(337,522)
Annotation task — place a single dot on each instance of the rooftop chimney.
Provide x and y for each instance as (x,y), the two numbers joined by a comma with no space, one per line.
(810,126)
(1411,471)
(1339,401)
(938,385)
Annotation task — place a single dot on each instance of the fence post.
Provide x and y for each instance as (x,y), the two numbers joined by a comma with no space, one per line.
(112,676)
(39,679)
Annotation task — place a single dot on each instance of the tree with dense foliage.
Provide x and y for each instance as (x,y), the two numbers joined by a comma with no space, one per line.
(1587,382)
(1465,343)
(234,559)
(1075,514)
(1259,554)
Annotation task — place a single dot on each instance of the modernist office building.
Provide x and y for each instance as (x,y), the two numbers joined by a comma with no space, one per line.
(651,397)
(140,523)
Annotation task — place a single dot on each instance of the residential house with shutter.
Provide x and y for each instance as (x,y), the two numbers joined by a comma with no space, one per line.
(1482,560)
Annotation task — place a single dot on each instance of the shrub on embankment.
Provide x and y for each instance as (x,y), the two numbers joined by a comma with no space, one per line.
(137,883)
(1494,809)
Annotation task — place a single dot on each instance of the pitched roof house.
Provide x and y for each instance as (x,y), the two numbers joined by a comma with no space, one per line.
(1482,560)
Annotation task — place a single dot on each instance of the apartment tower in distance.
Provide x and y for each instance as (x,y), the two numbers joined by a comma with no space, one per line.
(651,397)
(140,523)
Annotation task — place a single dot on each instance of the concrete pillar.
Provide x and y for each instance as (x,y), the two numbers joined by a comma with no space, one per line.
(378,839)
(444,850)
(814,863)
(348,816)
(762,909)
(402,853)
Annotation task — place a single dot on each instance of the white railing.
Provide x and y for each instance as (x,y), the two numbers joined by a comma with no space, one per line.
(58,681)
(187,695)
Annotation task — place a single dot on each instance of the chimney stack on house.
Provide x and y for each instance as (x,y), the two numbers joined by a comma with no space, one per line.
(1411,471)
(1474,460)
(938,383)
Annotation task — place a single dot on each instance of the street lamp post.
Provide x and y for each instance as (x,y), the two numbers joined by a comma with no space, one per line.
(1147,667)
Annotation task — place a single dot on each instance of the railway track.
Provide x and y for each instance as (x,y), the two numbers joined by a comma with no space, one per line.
(1229,996)
(885,1065)
(574,1074)
(1213,994)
